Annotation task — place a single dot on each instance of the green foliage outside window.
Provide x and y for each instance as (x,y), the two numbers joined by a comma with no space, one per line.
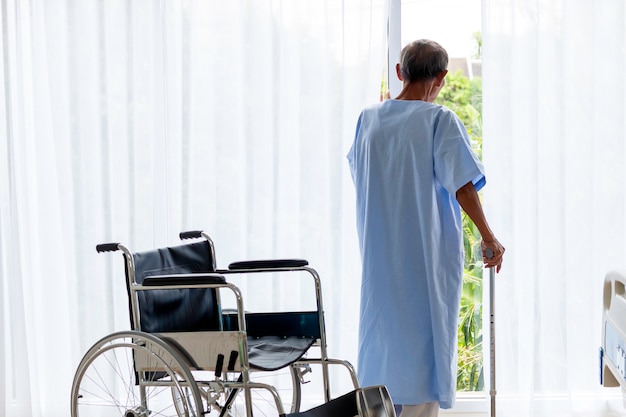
(464,97)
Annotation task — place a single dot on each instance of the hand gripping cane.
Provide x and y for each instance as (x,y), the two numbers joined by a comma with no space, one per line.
(492,333)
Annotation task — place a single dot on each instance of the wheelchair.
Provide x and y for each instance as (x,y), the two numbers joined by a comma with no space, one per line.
(187,355)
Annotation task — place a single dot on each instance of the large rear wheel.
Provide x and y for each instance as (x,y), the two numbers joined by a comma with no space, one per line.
(134,374)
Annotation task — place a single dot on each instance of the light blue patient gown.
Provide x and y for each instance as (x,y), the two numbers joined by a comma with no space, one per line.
(407,161)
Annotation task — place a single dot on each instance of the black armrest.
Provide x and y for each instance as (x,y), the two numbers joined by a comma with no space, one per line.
(268,264)
(183,279)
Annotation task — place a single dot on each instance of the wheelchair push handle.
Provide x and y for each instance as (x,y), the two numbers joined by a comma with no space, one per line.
(191,234)
(107,247)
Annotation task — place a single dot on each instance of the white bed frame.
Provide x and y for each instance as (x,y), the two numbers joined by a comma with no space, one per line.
(613,351)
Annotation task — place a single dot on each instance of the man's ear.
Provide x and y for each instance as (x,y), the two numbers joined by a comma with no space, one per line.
(398,72)
(440,77)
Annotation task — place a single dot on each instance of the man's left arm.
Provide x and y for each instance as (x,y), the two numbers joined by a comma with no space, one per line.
(467,196)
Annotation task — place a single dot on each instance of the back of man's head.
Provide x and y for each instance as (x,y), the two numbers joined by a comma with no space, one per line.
(422,59)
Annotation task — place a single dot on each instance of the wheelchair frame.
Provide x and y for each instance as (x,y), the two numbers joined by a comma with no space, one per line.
(172,356)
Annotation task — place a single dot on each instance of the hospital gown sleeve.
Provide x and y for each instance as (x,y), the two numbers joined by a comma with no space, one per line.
(455,162)
(351,153)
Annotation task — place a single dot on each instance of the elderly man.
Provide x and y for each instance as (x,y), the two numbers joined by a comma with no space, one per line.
(413,169)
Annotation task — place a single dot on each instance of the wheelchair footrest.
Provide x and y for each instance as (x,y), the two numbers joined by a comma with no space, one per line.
(363,402)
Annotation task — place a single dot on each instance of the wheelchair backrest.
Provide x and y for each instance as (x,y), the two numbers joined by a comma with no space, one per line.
(175,310)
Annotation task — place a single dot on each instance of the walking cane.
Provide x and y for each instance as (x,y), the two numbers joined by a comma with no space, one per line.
(492,332)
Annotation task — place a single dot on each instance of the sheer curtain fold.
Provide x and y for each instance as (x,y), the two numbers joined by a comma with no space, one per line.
(554,131)
(131,121)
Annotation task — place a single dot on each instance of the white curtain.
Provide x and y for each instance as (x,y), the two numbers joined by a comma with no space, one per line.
(130,121)
(554,149)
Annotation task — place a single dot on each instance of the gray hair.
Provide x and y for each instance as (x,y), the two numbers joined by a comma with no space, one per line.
(422,59)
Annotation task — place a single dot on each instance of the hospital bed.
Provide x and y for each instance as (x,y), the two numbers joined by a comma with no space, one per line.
(613,350)
(187,355)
